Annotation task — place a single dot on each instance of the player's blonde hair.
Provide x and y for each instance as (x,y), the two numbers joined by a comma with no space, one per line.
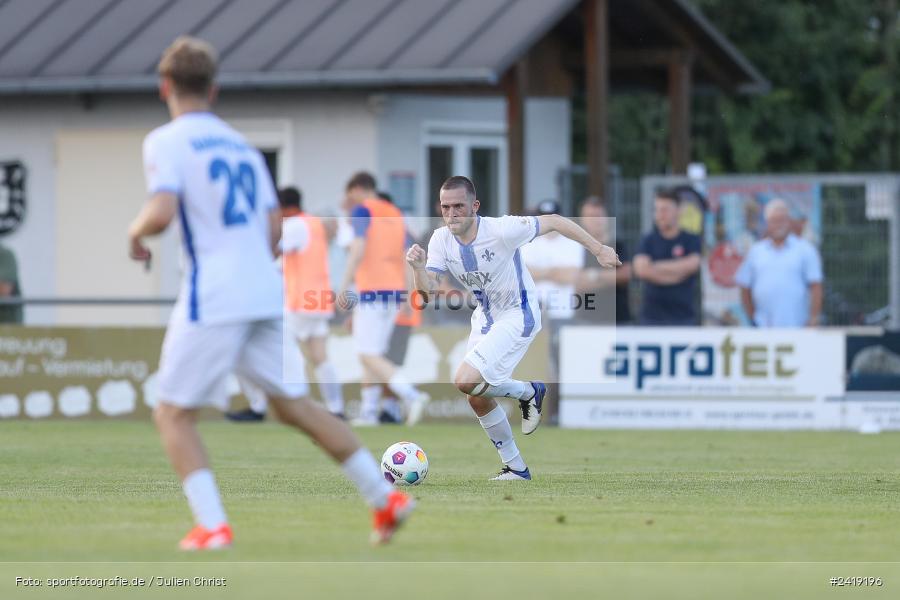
(191,64)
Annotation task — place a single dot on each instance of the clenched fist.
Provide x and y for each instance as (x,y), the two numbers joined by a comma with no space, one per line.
(416,256)
(608,258)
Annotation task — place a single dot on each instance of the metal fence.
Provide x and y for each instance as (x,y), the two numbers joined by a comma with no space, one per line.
(859,239)
(623,200)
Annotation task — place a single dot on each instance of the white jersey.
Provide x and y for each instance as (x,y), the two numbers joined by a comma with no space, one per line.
(225,195)
(294,235)
(554,251)
(491,267)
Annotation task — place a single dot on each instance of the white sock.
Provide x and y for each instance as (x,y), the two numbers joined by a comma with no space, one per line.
(520,390)
(392,407)
(371,394)
(363,471)
(203,497)
(497,427)
(403,388)
(326,375)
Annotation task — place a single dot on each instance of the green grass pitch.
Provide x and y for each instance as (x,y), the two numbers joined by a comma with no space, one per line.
(644,514)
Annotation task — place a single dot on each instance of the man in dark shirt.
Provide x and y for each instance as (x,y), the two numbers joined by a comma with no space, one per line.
(668,260)
(593,280)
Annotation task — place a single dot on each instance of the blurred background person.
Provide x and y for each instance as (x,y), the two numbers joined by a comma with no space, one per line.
(555,263)
(781,277)
(408,318)
(592,279)
(307,290)
(9,286)
(308,305)
(376,264)
(668,261)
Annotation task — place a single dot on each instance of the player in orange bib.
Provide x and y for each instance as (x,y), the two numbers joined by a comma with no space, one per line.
(309,301)
(376,265)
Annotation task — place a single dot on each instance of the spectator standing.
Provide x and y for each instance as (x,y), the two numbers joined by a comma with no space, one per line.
(592,278)
(555,263)
(668,261)
(376,264)
(781,277)
(9,286)
(409,317)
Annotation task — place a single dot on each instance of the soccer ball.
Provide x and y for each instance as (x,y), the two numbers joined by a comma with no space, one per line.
(404,463)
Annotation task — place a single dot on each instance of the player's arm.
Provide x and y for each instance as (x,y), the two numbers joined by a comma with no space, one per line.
(154,218)
(425,282)
(592,278)
(294,234)
(360,220)
(275,231)
(678,269)
(354,257)
(605,255)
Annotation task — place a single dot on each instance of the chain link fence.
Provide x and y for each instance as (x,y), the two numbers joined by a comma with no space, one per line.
(856,230)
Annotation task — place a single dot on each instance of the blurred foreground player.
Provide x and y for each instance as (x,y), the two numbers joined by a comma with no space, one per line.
(483,254)
(308,302)
(229,312)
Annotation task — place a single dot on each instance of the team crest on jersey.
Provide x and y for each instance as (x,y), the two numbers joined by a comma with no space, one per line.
(488,255)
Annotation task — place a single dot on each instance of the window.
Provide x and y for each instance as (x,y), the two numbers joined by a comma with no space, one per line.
(440,168)
(476,151)
(271,158)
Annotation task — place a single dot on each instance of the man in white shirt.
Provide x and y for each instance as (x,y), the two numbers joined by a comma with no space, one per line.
(555,262)
(228,316)
(781,277)
(483,254)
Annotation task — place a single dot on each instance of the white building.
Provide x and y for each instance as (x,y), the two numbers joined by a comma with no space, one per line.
(413,92)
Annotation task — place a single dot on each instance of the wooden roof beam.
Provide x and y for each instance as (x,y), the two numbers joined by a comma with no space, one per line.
(663,20)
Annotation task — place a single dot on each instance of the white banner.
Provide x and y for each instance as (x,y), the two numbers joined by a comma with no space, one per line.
(701,378)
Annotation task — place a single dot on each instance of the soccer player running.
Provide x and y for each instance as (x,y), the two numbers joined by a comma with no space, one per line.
(228,316)
(375,264)
(483,254)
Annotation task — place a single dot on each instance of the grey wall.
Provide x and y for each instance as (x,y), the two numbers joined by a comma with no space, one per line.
(402,121)
(329,135)
(548,146)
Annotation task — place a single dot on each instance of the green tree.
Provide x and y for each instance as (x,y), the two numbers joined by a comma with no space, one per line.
(833,106)
(833,103)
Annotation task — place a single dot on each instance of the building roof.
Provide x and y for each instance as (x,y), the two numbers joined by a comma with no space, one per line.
(52,46)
